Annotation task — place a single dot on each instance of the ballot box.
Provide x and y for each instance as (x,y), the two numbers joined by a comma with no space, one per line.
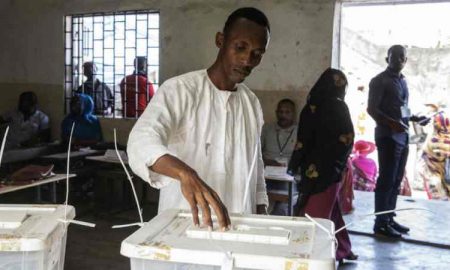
(32,237)
(171,241)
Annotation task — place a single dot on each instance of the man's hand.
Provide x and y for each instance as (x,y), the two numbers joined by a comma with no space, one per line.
(421,120)
(396,126)
(261,209)
(195,191)
(198,193)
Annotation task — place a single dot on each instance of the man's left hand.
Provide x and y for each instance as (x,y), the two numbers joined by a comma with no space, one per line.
(421,120)
(261,209)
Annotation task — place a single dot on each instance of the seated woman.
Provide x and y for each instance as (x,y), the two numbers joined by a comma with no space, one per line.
(431,167)
(324,143)
(87,131)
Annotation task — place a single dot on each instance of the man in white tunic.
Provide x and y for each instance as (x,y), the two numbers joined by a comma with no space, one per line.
(199,136)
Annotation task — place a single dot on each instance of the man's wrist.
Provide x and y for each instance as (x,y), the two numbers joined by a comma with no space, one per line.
(184,172)
(261,209)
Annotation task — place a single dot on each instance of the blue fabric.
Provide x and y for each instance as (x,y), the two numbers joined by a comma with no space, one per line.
(87,126)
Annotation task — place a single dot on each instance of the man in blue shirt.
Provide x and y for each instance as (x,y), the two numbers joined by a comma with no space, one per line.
(388,106)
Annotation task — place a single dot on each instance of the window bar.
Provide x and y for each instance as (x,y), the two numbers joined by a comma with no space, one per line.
(65,63)
(136,76)
(75,56)
(76,70)
(80,53)
(94,91)
(114,56)
(125,92)
(114,66)
(103,45)
(147,86)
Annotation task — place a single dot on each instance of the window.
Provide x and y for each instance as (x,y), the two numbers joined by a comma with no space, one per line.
(114,58)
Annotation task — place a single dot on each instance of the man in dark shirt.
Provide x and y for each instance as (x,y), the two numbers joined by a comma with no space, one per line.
(388,106)
(99,91)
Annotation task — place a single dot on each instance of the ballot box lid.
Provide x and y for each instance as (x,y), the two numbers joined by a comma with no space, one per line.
(253,242)
(30,227)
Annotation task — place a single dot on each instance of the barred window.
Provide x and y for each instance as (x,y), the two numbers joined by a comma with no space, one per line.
(113,58)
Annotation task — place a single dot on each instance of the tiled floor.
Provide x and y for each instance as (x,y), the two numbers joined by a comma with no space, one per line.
(431,225)
(375,254)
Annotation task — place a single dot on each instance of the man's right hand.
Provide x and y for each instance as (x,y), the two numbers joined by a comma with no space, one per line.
(195,191)
(198,193)
(396,126)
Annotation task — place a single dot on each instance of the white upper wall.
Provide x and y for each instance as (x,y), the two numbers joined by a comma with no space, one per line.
(32,44)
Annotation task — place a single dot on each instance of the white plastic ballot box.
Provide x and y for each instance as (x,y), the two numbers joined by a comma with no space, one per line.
(171,241)
(32,237)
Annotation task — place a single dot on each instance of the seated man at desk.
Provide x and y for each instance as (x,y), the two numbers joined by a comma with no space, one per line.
(277,142)
(28,125)
(87,131)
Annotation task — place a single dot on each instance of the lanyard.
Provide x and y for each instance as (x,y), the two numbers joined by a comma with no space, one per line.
(281,148)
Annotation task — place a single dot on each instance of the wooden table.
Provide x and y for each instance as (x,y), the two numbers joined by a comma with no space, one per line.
(281,177)
(110,170)
(73,154)
(106,160)
(26,154)
(38,183)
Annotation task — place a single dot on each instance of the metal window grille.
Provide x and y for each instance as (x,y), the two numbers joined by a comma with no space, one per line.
(112,41)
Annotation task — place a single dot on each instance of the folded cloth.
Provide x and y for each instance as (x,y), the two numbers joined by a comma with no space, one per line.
(32,172)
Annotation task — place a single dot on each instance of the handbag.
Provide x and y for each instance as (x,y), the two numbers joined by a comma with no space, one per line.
(447,171)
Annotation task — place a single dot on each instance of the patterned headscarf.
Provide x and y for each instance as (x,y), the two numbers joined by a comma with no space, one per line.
(441,123)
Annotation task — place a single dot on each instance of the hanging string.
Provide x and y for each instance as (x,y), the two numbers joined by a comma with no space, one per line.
(67,170)
(332,236)
(250,172)
(228,260)
(3,144)
(132,187)
(359,217)
(65,220)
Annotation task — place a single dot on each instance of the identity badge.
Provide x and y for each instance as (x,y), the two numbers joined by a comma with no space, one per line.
(405,111)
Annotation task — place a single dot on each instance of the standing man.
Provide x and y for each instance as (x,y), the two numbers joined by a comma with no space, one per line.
(199,136)
(136,87)
(388,106)
(277,142)
(98,90)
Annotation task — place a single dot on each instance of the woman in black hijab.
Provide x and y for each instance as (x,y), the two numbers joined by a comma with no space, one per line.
(324,143)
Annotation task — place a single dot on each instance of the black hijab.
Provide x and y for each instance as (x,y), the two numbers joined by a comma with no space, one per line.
(325,135)
(330,85)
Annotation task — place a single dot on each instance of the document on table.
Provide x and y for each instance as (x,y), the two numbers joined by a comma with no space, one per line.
(277,172)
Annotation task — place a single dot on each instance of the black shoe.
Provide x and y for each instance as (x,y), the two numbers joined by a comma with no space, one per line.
(351,257)
(387,231)
(398,227)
